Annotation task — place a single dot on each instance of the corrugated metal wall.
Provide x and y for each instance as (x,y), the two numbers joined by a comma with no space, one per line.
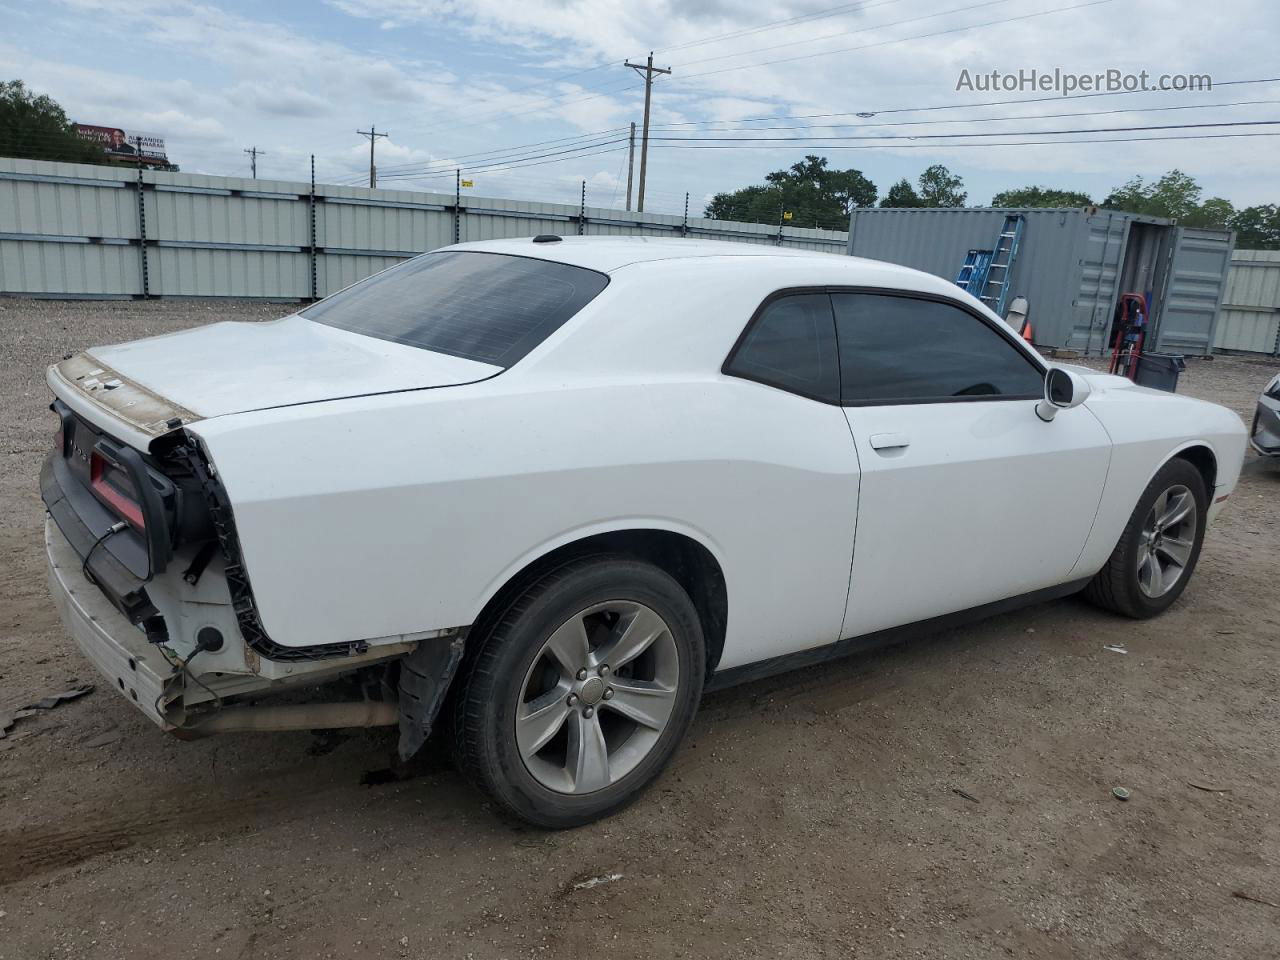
(1047,271)
(96,231)
(1070,266)
(1250,315)
(1099,254)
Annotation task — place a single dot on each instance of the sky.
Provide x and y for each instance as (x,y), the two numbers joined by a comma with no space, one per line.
(531,98)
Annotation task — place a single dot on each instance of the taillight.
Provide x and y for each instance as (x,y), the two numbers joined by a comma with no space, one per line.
(114,488)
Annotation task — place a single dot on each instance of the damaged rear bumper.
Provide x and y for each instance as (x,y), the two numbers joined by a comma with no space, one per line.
(134,667)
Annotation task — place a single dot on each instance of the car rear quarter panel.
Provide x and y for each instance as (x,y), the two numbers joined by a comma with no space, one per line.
(1148,428)
(377,519)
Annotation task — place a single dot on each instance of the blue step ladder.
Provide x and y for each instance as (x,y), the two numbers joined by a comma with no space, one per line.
(973,272)
(995,286)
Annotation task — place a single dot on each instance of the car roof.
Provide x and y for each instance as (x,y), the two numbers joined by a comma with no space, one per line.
(608,254)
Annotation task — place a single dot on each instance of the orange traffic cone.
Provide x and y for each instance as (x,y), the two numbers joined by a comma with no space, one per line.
(1026,332)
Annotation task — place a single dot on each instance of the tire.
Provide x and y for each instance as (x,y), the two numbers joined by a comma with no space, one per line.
(535,671)
(1125,584)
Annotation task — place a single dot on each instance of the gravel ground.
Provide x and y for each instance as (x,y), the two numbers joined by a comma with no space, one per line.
(817,814)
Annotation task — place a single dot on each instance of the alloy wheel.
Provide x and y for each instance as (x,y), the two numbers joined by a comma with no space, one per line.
(1168,539)
(597,697)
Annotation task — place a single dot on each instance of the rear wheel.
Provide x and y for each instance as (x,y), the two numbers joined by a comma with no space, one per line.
(1157,553)
(577,698)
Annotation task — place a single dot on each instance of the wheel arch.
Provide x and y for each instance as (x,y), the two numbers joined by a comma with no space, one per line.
(684,556)
(1201,456)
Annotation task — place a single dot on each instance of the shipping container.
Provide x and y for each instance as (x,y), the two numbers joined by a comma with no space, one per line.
(1072,265)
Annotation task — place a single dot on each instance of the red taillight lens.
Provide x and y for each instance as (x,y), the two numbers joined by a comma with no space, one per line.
(112,486)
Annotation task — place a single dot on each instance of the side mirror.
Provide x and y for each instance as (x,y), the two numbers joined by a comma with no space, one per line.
(1063,389)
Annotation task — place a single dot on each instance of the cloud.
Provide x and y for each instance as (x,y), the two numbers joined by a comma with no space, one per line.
(459,80)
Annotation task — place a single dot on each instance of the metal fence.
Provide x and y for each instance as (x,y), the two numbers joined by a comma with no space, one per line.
(77,230)
(1250,317)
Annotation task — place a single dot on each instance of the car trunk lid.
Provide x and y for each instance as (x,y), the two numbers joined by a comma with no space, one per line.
(235,367)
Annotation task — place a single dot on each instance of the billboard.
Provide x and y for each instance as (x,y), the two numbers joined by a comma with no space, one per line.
(125,144)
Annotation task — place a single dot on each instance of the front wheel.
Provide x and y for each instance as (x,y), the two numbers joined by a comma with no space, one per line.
(577,698)
(1157,553)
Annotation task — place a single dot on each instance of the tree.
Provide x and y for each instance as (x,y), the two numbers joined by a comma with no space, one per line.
(1175,196)
(1215,213)
(36,128)
(812,193)
(1040,197)
(939,187)
(902,194)
(1257,228)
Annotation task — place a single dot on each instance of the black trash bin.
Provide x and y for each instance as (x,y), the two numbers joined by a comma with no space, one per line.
(1160,370)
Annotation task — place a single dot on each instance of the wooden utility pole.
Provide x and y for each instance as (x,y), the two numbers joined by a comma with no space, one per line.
(631,161)
(648,71)
(373,135)
(254,153)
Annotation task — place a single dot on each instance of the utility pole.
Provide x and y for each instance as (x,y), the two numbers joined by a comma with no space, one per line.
(373,135)
(631,161)
(649,70)
(254,153)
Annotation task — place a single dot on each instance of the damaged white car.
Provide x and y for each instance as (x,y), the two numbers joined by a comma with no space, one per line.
(544,493)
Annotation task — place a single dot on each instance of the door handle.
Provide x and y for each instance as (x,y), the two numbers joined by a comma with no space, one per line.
(889,441)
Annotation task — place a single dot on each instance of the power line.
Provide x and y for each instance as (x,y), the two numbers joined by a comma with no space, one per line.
(817,15)
(1031,116)
(479,165)
(949,136)
(885,43)
(572,153)
(1010,143)
(846,33)
(451,162)
(953,106)
(513,166)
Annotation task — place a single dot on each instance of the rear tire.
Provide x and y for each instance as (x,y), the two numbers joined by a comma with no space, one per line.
(574,702)
(1158,551)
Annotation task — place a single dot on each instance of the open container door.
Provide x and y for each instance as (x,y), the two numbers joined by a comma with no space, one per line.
(1187,312)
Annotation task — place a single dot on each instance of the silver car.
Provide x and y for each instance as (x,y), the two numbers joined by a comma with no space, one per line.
(1265,435)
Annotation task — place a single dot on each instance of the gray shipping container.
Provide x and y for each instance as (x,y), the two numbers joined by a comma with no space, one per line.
(1072,265)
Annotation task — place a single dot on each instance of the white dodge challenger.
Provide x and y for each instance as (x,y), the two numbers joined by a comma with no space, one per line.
(544,493)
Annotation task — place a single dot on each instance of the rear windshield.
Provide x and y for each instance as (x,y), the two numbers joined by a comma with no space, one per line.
(482,306)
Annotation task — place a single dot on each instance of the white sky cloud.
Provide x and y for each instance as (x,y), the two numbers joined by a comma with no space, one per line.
(454,80)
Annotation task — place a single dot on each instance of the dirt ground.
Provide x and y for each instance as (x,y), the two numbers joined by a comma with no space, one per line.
(817,814)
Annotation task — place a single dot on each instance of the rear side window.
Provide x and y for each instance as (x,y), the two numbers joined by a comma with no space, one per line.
(905,350)
(482,306)
(791,345)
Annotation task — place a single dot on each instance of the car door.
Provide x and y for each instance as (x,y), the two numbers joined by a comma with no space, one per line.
(788,569)
(966,495)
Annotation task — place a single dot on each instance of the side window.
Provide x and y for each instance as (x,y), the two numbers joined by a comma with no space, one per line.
(896,349)
(791,345)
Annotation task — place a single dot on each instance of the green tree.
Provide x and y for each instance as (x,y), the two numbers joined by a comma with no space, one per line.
(1257,228)
(813,194)
(1176,196)
(36,128)
(939,187)
(1215,213)
(902,194)
(1040,197)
